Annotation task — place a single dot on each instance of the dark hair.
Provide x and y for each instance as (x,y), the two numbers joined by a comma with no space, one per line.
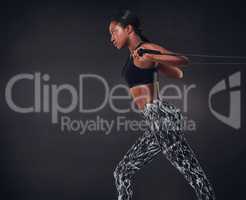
(127,17)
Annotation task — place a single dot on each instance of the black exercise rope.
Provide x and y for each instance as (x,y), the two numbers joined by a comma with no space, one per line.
(142,51)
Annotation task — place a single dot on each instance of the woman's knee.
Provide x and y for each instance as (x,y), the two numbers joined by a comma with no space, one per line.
(116,172)
(119,171)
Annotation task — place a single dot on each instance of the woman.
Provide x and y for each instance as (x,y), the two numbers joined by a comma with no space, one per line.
(164,120)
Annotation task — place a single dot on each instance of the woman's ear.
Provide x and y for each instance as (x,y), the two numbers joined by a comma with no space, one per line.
(129,28)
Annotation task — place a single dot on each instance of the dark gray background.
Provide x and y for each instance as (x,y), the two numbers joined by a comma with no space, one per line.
(65,39)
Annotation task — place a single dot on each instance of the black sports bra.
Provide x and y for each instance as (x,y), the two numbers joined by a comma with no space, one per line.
(134,75)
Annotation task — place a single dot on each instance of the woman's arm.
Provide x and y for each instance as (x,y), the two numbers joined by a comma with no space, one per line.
(169,70)
(166,64)
(164,59)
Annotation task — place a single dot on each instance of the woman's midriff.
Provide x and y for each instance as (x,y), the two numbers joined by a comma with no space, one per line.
(142,94)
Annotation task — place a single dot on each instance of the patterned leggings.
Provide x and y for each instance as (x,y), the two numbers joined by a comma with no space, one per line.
(164,134)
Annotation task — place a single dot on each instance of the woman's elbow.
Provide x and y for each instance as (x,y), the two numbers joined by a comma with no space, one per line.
(180,74)
(171,71)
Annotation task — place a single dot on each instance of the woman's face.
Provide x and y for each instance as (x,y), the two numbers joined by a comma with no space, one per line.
(119,35)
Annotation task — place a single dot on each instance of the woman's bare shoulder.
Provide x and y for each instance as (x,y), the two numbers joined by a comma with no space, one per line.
(154,46)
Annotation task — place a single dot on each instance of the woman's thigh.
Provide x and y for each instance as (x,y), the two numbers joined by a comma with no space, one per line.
(142,152)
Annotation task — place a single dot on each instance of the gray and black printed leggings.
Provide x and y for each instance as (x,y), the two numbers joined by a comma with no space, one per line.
(163,134)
